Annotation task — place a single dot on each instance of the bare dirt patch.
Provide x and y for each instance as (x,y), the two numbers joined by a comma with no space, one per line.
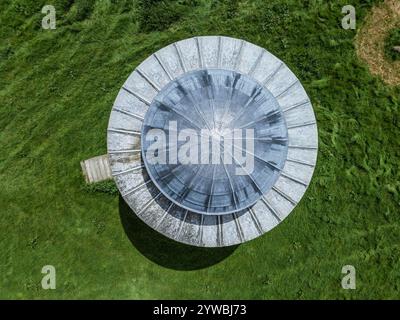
(370,41)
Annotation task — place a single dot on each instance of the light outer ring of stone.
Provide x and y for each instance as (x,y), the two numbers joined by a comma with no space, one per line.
(124,150)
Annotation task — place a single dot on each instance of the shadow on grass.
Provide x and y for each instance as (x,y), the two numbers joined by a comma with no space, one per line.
(164,251)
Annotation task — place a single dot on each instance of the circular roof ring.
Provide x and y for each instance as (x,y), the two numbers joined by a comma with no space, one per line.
(212,141)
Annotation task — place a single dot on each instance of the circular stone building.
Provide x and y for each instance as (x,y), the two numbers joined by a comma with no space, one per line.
(212,141)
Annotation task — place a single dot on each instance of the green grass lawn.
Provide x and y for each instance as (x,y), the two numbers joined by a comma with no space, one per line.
(56,92)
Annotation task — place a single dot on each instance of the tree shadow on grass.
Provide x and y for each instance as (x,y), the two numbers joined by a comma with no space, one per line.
(164,251)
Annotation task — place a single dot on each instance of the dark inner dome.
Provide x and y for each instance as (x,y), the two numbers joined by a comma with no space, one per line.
(214,141)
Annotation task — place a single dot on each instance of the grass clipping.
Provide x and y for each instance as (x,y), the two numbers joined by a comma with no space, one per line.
(370,41)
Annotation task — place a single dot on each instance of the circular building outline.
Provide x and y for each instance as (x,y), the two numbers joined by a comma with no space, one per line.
(124,137)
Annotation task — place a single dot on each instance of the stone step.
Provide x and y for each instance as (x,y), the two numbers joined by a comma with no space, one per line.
(96,169)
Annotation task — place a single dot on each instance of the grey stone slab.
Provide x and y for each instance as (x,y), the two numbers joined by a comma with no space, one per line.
(267,68)
(131,179)
(292,188)
(122,163)
(139,87)
(283,84)
(303,133)
(209,51)
(190,232)
(122,119)
(172,222)
(120,139)
(153,212)
(230,50)
(140,195)
(248,225)
(189,54)
(296,97)
(209,231)
(248,57)
(306,156)
(170,60)
(297,113)
(281,205)
(229,230)
(264,215)
(152,68)
(298,170)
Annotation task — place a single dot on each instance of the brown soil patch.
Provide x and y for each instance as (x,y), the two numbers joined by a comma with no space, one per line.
(370,41)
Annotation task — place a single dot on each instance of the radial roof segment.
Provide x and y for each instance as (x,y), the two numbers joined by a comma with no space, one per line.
(212,92)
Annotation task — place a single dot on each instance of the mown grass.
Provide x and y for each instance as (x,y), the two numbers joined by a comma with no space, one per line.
(56,91)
